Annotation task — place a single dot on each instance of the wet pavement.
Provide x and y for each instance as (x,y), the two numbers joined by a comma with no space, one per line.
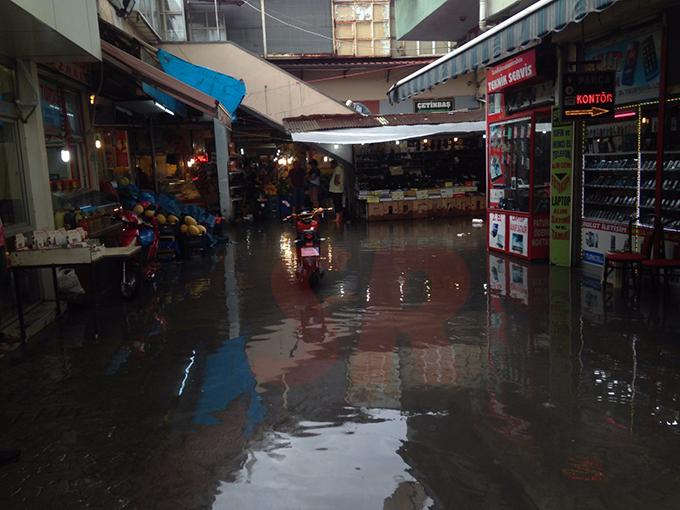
(423,373)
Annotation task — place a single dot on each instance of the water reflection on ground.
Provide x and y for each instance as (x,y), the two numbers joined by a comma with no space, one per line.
(424,373)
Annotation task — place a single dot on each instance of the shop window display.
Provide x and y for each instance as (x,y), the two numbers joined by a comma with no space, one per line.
(63,124)
(510,164)
(13,210)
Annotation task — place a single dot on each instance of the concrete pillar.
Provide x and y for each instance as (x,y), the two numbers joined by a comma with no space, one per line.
(36,176)
(222,155)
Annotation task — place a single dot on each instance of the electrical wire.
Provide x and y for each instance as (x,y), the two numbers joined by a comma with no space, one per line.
(286,23)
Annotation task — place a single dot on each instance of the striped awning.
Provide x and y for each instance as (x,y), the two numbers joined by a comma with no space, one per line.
(523,30)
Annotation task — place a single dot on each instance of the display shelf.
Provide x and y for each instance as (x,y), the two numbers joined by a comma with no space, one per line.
(602,186)
(605,204)
(609,154)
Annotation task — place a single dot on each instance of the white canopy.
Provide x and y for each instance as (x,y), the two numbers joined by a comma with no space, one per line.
(355,136)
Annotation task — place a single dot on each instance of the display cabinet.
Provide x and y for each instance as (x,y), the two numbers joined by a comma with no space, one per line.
(518,183)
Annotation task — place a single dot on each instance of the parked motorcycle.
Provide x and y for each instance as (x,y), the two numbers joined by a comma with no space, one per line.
(308,245)
(136,231)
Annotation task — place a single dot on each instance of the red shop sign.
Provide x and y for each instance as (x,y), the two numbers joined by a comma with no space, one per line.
(516,70)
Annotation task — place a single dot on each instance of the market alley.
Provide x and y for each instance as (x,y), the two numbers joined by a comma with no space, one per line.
(423,373)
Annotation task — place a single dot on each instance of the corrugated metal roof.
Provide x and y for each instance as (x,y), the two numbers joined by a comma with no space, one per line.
(342,63)
(305,123)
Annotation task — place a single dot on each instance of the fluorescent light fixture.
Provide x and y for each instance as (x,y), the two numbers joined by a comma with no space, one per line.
(163,108)
(625,115)
(65,155)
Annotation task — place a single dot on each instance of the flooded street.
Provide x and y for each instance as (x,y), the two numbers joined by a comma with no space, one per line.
(423,373)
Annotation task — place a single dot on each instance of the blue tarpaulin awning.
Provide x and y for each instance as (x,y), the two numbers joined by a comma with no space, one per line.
(523,30)
(227,90)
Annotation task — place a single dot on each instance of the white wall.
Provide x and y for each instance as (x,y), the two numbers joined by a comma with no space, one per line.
(270,91)
(374,86)
(76,20)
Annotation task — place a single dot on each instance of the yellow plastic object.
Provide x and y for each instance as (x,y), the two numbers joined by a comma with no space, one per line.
(190,221)
(173,220)
(162,220)
(59,219)
(202,229)
(194,231)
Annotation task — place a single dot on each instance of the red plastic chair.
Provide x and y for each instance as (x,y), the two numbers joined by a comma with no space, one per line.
(627,259)
(659,265)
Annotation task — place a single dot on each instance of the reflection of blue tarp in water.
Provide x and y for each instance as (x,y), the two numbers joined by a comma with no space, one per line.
(228,376)
(227,90)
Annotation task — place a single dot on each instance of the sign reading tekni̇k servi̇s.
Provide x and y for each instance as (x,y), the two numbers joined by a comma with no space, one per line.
(518,69)
(588,94)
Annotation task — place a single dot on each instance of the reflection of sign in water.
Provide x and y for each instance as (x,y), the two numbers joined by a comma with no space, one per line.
(561,184)
(635,58)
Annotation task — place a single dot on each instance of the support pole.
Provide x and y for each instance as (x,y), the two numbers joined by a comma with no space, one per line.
(222,156)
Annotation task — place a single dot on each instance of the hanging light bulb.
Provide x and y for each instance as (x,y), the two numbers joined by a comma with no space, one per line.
(97,144)
(191,162)
(65,155)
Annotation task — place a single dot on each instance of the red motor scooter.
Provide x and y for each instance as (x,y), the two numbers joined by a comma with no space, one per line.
(135,231)
(308,245)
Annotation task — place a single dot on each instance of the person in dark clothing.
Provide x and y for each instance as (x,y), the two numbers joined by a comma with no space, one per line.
(314,180)
(297,184)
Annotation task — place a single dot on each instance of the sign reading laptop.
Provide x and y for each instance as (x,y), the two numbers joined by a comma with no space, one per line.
(588,94)
(518,69)
(434,105)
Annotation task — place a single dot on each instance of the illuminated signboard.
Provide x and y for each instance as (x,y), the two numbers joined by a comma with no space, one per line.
(589,94)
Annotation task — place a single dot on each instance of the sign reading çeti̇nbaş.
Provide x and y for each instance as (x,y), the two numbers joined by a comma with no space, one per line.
(588,95)
(516,70)
(434,105)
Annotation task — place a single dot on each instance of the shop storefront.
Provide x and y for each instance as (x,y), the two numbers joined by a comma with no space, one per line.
(405,166)
(15,210)
(519,126)
(631,161)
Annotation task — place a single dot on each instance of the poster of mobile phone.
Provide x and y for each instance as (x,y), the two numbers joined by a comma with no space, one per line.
(497,231)
(519,282)
(519,233)
(496,164)
(636,58)
(497,272)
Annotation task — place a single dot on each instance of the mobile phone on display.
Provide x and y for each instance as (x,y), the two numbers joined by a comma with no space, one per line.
(649,61)
(628,75)
(495,170)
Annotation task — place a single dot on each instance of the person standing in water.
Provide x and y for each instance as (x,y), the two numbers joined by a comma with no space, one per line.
(337,190)
(314,182)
